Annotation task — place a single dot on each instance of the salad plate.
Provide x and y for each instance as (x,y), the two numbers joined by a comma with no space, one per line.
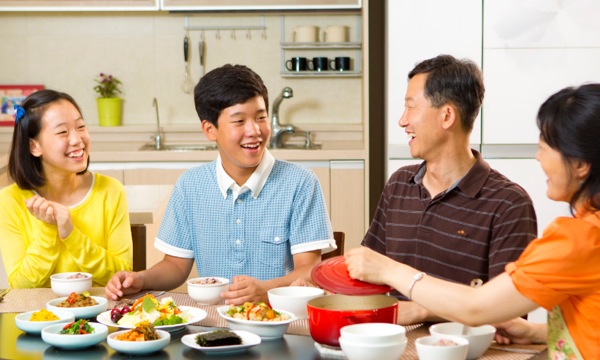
(248,340)
(84,312)
(192,314)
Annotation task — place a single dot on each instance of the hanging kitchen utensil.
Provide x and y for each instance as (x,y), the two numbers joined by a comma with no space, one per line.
(201,56)
(187,84)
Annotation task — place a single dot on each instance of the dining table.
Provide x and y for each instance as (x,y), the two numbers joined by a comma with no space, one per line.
(295,344)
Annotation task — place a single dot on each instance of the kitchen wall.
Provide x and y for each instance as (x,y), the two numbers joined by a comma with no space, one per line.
(65,51)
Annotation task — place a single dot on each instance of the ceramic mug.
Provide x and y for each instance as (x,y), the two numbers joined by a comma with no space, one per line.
(335,33)
(340,63)
(318,64)
(296,64)
(305,34)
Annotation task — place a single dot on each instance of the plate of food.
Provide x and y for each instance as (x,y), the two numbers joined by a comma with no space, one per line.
(163,314)
(221,341)
(32,322)
(82,305)
(258,318)
(76,335)
(141,340)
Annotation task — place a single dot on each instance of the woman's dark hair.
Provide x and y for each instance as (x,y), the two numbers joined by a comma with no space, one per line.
(24,168)
(226,86)
(569,122)
(451,80)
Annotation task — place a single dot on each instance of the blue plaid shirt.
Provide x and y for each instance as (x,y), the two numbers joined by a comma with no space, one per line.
(250,230)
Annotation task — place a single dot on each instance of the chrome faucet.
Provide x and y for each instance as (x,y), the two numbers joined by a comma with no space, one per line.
(157,138)
(277,130)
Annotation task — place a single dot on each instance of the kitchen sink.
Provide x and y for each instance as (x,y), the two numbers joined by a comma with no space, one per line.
(179,147)
(299,147)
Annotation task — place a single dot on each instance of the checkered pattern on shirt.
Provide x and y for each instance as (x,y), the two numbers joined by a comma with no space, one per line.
(247,236)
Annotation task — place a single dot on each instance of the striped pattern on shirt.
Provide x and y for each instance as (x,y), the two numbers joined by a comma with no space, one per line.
(470,231)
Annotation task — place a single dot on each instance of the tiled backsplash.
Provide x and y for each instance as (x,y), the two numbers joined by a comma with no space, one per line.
(66,51)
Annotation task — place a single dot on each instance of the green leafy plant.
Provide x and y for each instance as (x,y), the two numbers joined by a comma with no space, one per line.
(108,86)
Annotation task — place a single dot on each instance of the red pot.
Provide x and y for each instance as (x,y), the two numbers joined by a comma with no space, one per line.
(328,314)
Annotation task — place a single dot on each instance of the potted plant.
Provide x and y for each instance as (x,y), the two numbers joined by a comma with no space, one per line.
(109,104)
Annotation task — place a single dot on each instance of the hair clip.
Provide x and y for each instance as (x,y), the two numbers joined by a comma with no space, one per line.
(20,112)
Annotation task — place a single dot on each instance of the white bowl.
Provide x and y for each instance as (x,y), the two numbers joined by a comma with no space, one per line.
(80,312)
(267,330)
(63,286)
(293,298)
(207,294)
(138,347)
(35,327)
(428,348)
(365,351)
(480,337)
(51,335)
(373,333)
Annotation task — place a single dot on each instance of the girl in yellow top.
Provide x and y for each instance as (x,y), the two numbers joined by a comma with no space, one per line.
(58,216)
(560,271)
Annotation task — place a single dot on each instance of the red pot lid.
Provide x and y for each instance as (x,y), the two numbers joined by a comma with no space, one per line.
(332,275)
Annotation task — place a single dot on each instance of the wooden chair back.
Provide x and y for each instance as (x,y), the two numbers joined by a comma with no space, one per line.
(339,238)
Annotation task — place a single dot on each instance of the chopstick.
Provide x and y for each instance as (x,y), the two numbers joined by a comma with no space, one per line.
(515,350)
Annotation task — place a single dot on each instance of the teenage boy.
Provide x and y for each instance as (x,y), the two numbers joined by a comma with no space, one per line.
(258,221)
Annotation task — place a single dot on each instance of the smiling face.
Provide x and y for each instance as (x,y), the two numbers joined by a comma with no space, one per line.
(421,121)
(563,178)
(63,142)
(242,135)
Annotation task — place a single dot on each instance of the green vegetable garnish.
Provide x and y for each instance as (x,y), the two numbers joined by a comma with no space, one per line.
(148,305)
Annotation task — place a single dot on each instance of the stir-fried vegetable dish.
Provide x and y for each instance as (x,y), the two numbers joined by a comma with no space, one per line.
(78,300)
(79,327)
(143,331)
(256,312)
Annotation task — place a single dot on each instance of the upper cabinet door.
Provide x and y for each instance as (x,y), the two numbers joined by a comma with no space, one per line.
(232,5)
(78,5)
(531,50)
(419,30)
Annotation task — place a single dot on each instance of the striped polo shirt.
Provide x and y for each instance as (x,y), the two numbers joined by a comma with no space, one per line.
(472,230)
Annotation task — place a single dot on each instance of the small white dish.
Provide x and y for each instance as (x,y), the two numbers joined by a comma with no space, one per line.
(429,347)
(267,330)
(51,335)
(35,327)
(194,315)
(207,294)
(248,340)
(138,347)
(80,312)
(365,351)
(293,298)
(63,284)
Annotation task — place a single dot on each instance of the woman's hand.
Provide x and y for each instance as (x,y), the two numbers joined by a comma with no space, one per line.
(51,213)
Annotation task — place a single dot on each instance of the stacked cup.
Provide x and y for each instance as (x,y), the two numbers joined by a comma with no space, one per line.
(373,341)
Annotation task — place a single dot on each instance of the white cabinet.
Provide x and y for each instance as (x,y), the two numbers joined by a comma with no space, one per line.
(531,50)
(78,5)
(236,5)
(418,30)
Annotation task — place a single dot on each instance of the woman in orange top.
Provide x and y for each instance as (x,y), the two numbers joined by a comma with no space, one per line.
(560,271)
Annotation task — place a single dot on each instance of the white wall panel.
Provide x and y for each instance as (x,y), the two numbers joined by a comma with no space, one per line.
(518,81)
(418,30)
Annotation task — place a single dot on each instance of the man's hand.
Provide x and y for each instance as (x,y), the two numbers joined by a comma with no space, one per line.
(123,283)
(245,289)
